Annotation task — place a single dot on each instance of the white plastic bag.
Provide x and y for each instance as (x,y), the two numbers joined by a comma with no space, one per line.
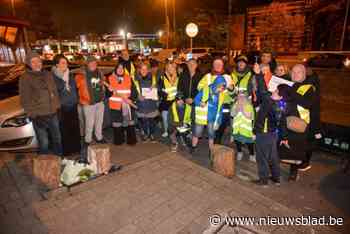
(70,174)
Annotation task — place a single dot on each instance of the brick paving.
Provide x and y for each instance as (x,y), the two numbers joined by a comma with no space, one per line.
(161,193)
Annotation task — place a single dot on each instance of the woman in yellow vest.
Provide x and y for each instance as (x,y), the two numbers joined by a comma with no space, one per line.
(242,125)
(168,87)
(208,111)
(242,110)
(122,106)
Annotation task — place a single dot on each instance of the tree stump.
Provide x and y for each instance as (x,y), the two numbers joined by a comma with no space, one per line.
(99,157)
(47,169)
(223,160)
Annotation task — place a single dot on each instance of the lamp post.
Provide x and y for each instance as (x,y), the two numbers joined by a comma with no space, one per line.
(124,35)
(167,23)
(191,31)
(13,8)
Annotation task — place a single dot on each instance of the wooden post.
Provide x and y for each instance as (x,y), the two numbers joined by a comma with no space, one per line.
(223,160)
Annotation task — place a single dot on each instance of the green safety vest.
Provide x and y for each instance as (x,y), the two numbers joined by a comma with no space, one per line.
(202,112)
(242,125)
(242,85)
(137,84)
(169,89)
(303,112)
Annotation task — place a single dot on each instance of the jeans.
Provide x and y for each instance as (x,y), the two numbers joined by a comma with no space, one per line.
(198,130)
(266,155)
(148,125)
(45,127)
(165,119)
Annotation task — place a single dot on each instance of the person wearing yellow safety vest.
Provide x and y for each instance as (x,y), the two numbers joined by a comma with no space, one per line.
(168,88)
(122,106)
(208,111)
(243,112)
(303,94)
(206,81)
(147,102)
(128,65)
(189,80)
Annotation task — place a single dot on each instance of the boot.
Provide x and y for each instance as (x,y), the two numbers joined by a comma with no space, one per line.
(131,135)
(119,137)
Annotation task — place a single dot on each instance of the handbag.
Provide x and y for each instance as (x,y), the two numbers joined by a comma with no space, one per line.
(296,124)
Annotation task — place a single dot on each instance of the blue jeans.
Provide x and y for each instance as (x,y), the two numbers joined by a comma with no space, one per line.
(198,130)
(45,126)
(266,155)
(148,125)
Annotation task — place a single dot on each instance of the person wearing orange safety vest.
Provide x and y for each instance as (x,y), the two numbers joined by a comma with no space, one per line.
(122,106)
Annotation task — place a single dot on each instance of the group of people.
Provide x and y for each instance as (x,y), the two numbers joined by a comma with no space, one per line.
(68,107)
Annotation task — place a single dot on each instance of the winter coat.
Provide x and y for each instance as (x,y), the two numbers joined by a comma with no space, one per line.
(188,85)
(85,84)
(68,98)
(38,93)
(271,118)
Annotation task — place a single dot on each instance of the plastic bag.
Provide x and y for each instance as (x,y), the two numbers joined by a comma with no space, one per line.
(75,172)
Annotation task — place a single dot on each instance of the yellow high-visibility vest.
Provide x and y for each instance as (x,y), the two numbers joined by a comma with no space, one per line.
(304,112)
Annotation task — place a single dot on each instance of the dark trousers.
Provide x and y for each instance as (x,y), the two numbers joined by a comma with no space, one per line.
(249,145)
(47,127)
(70,131)
(266,155)
(148,125)
(226,121)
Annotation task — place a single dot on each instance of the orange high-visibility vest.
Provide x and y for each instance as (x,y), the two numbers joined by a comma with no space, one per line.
(123,88)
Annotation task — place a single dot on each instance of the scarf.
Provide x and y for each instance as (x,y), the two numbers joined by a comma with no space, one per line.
(64,76)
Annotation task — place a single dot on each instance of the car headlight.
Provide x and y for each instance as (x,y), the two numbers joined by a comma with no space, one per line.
(15,122)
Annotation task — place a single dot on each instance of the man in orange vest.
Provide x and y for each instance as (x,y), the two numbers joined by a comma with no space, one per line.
(122,105)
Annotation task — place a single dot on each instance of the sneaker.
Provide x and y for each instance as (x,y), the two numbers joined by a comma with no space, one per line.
(276,181)
(304,166)
(165,134)
(262,182)
(144,138)
(252,158)
(173,148)
(239,156)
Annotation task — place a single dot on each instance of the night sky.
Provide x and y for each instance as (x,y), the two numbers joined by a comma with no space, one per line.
(141,16)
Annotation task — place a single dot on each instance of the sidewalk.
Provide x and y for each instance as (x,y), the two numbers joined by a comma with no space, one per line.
(161,193)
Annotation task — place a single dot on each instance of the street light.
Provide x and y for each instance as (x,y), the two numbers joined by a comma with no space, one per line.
(125,36)
(191,31)
(160,33)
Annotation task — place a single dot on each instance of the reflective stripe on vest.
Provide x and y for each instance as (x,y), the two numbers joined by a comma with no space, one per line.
(170,90)
(243,125)
(187,115)
(123,88)
(304,112)
(201,113)
(174,112)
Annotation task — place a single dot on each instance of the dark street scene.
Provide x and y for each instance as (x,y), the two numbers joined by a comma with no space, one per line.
(174,117)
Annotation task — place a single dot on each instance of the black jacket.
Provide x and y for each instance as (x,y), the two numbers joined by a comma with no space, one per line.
(275,114)
(188,85)
(67,98)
